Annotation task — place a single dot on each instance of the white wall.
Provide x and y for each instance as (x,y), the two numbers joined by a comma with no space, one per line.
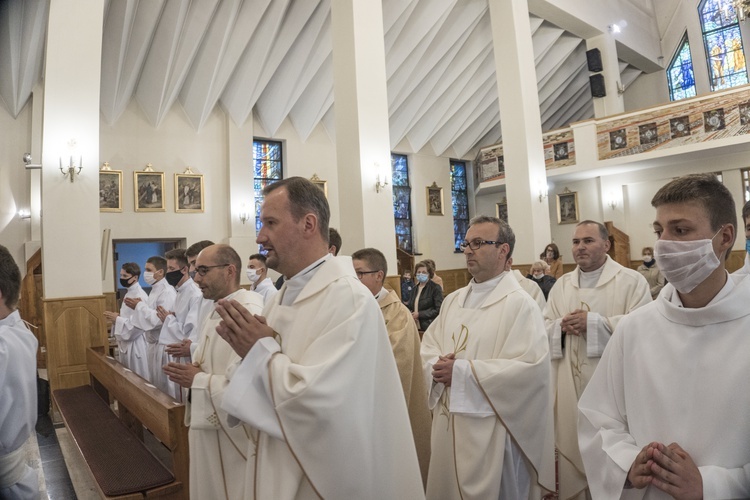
(589,206)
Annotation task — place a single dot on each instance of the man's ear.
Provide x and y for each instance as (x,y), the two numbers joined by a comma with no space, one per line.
(310,224)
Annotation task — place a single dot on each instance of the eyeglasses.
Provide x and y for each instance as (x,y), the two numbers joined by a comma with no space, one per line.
(476,244)
(203,270)
(361,274)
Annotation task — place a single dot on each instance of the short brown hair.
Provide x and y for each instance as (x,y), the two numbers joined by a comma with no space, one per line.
(304,198)
(601,227)
(132,268)
(177,254)
(334,240)
(196,248)
(426,265)
(10,278)
(374,258)
(259,257)
(228,255)
(160,263)
(746,212)
(504,232)
(555,251)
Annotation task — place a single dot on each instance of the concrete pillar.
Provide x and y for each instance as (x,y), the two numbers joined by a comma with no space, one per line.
(362,138)
(525,173)
(613,103)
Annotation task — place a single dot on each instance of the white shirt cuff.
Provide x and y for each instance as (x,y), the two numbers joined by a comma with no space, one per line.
(555,341)
(466,395)
(597,335)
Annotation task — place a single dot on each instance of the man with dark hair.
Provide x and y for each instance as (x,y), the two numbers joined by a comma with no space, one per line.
(18,399)
(745,270)
(218,453)
(317,377)
(182,324)
(257,273)
(131,342)
(191,254)
(582,311)
(334,241)
(487,347)
(665,410)
(371,268)
(146,318)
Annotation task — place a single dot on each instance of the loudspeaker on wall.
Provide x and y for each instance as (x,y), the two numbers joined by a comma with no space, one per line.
(594,60)
(597,85)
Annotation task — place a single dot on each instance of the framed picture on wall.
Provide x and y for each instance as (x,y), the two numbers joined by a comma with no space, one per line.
(149,191)
(434,199)
(501,210)
(323,185)
(188,193)
(567,207)
(110,191)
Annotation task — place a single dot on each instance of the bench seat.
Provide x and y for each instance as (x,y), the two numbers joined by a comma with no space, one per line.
(119,461)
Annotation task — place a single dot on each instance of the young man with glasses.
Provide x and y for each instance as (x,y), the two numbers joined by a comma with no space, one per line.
(582,311)
(486,359)
(218,453)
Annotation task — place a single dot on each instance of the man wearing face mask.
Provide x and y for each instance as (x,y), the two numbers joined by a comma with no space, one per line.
(745,270)
(257,273)
(582,311)
(651,272)
(130,340)
(146,318)
(182,323)
(665,411)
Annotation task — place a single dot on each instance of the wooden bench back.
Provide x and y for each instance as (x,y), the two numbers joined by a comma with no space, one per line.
(146,405)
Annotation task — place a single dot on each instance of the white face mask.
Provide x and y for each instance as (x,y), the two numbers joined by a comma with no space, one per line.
(647,258)
(686,264)
(148,277)
(538,276)
(252,275)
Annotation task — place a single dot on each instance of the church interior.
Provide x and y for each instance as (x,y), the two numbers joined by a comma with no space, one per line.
(413,115)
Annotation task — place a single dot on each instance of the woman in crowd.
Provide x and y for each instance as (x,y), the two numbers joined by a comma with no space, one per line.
(551,256)
(651,272)
(435,278)
(427,298)
(538,276)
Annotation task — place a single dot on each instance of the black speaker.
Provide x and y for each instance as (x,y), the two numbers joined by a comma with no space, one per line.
(597,85)
(594,60)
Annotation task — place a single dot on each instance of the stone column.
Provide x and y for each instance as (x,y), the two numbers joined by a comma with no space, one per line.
(613,103)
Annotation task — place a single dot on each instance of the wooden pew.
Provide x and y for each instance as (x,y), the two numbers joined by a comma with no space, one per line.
(112,447)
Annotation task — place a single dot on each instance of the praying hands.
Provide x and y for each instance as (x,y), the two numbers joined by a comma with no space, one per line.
(239,327)
(668,468)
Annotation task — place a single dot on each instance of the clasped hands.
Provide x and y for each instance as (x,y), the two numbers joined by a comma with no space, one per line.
(442,370)
(130,302)
(668,468)
(575,323)
(239,327)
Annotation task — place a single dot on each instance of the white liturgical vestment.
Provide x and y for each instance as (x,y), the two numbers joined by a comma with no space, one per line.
(617,292)
(180,326)
(673,374)
(267,289)
(745,269)
(162,294)
(130,340)
(325,395)
(18,407)
(217,452)
(492,429)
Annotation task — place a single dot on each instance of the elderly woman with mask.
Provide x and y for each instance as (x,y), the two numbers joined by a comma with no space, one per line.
(651,272)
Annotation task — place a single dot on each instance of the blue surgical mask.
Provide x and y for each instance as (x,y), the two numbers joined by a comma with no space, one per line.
(747,245)
(422,278)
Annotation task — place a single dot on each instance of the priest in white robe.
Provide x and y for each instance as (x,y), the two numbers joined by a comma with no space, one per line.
(318,378)
(147,319)
(218,452)
(131,342)
(583,309)
(745,269)
(178,325)
(18,399)
(486,361)
(665,415)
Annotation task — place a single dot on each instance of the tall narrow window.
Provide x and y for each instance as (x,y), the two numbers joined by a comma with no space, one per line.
(680,73)
(266,170)
(402,201)
(723,42)
(460,201)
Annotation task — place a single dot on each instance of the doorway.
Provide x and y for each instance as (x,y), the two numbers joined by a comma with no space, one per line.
(138,251)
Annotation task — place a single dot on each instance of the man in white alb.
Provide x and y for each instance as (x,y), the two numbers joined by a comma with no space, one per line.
(318,378)
(486,361)
(218,453)
(665,414)
(18,401)
(745,269)
(257,273)
(582,311)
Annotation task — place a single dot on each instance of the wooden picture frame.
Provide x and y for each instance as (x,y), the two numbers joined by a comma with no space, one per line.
(110,190)
(323,185)
(434,200)
(568,211)
(501,211)
(188,193)
(148,189)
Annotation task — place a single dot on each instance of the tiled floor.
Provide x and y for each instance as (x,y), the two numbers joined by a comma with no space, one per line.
(56,478)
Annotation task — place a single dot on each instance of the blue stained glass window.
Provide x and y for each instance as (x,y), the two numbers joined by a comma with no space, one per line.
(460,202)
(680,73)
(267,169)
(723,42)
(401,201)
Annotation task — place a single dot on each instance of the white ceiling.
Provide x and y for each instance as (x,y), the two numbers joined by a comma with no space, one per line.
(274,58)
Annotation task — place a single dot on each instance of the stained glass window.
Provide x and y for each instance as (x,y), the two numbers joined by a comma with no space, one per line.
(723,42)
(460,202)
(401,201)
(680,73)
(267,169)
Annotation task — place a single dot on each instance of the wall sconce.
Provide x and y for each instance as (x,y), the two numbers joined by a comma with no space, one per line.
(24,214)
(27,162)
(381,180)
(612,201)
(244,214)
(543,192)
(72,169)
